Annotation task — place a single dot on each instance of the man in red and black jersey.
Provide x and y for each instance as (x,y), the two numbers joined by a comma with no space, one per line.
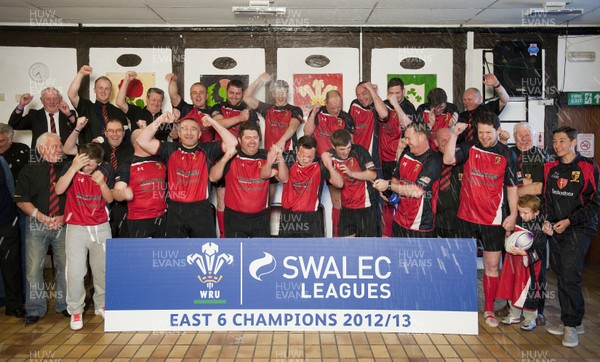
(437,113)
(474,107)
(400,113)
(358,216)
(365,110)
(321,124)
(142,182)
(190,214)
(416,181)
(488,197)
(281,119)
(302,192)
(572,202)
(247,173)
(230,115)
(197,110)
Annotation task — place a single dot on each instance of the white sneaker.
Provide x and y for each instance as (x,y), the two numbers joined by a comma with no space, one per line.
(559,330)
(100,312)
(76,322)
(571,337)
(490,319)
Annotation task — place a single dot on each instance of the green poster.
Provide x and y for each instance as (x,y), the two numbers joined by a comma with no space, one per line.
(416,86)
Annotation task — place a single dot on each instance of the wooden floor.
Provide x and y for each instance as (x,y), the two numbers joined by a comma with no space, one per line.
(51,339)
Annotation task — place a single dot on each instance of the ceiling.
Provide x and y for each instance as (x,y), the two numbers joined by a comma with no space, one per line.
(175,13)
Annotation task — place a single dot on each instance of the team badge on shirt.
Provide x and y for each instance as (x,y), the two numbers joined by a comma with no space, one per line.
(417,166)
(562,182)
(259,164)
(497,160)
(575,176)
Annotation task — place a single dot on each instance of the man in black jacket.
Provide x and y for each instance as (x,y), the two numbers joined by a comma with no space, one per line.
(55,116)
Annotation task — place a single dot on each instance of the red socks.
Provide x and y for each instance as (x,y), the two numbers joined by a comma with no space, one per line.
(335,219)
(221,223)
(490,287)
(387,216)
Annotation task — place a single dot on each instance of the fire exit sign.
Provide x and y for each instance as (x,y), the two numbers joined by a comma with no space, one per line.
(584,99)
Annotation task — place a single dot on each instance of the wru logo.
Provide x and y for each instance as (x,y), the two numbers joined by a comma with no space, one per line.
(210,263)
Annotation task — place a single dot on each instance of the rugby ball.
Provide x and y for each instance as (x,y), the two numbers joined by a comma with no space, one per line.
(522,239)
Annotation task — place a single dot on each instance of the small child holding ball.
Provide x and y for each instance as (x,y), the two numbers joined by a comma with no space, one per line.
(520,282)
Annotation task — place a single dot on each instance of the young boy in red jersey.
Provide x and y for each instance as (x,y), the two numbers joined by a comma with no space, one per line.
(88,181)
(520,279)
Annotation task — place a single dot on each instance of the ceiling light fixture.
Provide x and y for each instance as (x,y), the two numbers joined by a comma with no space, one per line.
(581,56)
(259,7)
(554,8)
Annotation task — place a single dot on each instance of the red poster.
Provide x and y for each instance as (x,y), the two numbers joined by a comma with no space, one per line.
(310,89)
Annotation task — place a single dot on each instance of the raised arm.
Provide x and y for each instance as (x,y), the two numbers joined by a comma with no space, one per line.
(98,178)
(217,170)
(275,156)
(309,127)
(249,98)
(450,152)
(121,102)
(380,107)
(73,91)
(16,119)
(64,181)
(229,140)
(173,89)
(334,177)
(230,122)
(146,139)
(289,132)
(492,81)
(402,117)
(70,146)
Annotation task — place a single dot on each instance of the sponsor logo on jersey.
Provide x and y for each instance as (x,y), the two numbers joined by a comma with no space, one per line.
(562,182)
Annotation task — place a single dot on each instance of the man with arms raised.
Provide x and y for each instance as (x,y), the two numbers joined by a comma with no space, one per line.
(188,165)
(301,194)
(99,112)
(247,173)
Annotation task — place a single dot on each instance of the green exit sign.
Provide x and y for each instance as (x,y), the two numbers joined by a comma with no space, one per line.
(584,99)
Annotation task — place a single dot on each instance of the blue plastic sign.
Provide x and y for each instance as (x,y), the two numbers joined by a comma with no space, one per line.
(361,284)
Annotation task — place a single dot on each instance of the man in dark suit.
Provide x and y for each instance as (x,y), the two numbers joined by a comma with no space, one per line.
(55,117)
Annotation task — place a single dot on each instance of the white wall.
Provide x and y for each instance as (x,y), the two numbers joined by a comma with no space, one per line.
(15,79)
(578,76)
